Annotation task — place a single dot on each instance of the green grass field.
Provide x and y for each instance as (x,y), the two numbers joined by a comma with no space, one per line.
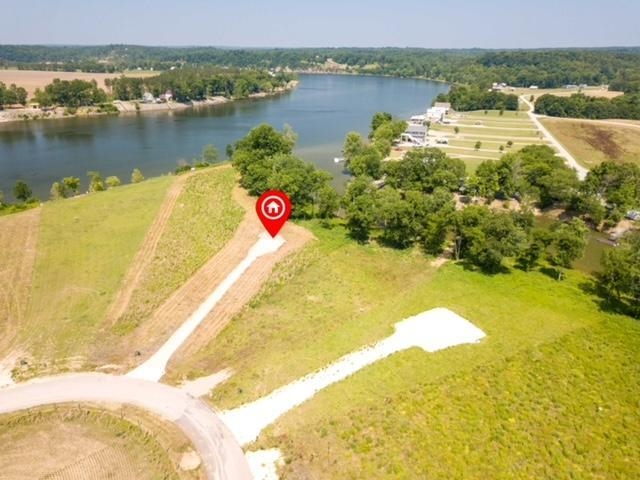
(202,222)
(471,132)
(443,413)
(85,246)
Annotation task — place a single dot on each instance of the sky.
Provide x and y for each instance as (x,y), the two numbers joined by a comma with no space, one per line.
(324,23)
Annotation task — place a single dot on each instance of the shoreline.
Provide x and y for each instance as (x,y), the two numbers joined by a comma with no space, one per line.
(128,106)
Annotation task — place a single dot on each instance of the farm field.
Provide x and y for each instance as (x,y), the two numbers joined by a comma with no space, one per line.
(596,91)
(32,79)
(83,441)
(592,142)
(542,336)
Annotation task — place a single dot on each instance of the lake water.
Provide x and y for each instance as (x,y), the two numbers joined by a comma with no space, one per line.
(321,111)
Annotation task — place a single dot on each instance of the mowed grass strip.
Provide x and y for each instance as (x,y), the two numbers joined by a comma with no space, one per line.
(592,143)
(337,296)
(471,131)
(82,441)
(85,246)
(203,220)
(560,410)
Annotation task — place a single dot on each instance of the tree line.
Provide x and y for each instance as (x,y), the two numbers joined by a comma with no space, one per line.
(185,85)
(547,68)
(12,95)
(578,105)
(188,84)
(466,98)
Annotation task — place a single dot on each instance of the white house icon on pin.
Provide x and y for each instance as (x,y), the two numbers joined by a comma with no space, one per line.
(273,208)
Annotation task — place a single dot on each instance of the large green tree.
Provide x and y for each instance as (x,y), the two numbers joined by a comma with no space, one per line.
(620,277)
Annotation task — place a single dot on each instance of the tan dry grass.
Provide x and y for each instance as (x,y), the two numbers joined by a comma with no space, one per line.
(74,441)
(32,79)
(18,238)
(592,142)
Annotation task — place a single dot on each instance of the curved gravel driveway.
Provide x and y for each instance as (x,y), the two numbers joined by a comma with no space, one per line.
(221,455)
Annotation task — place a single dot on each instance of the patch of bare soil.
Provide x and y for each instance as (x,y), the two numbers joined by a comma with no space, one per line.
(602,140)
(18,241)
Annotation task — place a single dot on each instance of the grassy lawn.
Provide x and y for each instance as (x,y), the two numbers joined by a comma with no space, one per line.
(592,143)
(483,152)
(85,246)
(495,114)
(488,143)
(84,442)
(202,222)
(455,408)
(471,132)
(559,410)
(291,330)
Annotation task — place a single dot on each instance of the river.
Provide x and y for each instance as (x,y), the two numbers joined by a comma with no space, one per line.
(321,110)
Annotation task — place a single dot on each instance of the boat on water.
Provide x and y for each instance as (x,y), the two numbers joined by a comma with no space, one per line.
(338,159)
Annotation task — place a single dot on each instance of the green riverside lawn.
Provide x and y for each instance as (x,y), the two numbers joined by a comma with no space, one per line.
(550,393)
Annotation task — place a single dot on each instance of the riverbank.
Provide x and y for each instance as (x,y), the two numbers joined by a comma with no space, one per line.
(122,106)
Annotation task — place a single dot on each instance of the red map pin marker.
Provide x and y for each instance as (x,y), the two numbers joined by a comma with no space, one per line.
(273,209)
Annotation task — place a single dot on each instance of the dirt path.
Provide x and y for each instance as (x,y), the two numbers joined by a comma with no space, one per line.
(184,301)
(146,252)
(570,160)
(18,240)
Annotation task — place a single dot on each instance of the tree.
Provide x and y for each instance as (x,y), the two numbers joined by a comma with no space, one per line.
(509,143)
(456,130)
(113,181)
(368,162)
(359,204)
(425,169)
(327,201)
(378,119)
(57,191)
(210,154)
(71,184)
(1,199)
(96,182)
(568,243)
(485,237)
(229,150)
(136,176)
(478,145)
(22,191)
(399,220)
(353,145)
(538,242)
(620,278)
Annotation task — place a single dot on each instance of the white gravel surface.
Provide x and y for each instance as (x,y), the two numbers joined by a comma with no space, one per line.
(154,368)
(264,464)
(203,385)
(432,330)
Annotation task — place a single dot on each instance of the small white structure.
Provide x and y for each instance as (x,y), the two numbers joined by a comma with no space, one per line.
(147,97)
(436,113)
(418,119)
(444,105)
